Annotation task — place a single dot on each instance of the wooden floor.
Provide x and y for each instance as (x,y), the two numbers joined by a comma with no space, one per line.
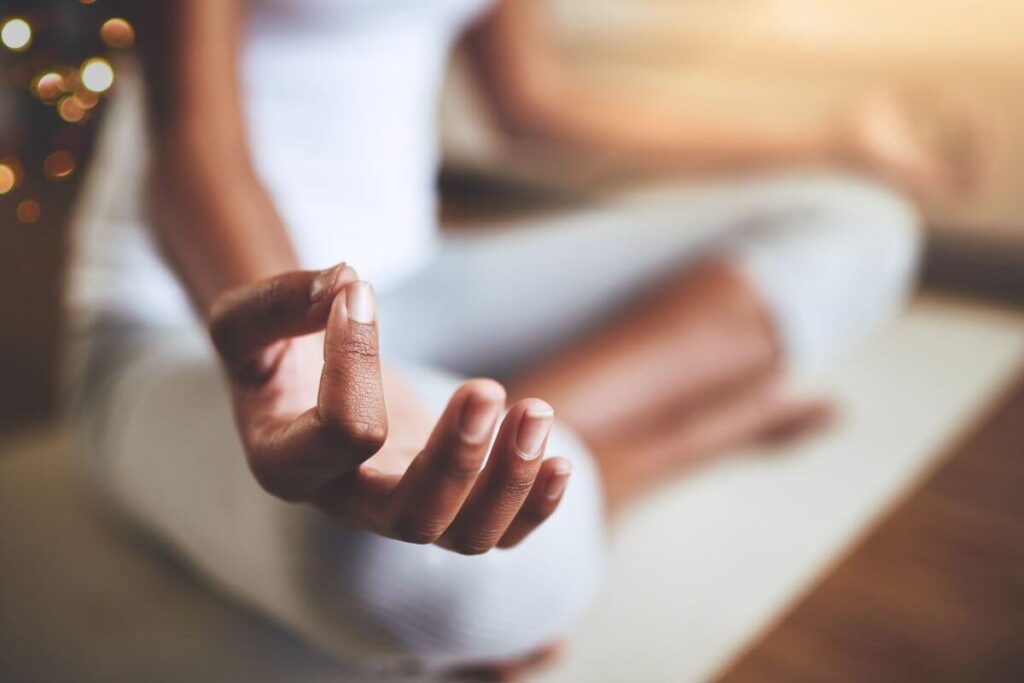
(935,593)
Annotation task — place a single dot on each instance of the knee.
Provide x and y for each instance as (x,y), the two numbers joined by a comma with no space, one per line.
(842,262)
(890,228)
(441,610)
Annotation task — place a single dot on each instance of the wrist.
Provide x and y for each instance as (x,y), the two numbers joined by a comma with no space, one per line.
(217,226)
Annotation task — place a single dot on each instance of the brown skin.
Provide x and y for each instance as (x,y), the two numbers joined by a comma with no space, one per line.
(704,332)
(337,454)
(701,343)
(690,338)
(309,390)
(705,341)
(929,143)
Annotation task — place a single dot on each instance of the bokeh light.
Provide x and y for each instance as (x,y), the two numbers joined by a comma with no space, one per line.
(97,74)
(70,110)
(86,99)
(117,33)
(29,211)
(50,86)
(16,34)
(58,165)
(7,179)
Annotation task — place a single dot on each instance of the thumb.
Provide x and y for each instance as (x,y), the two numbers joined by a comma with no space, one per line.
(351,399)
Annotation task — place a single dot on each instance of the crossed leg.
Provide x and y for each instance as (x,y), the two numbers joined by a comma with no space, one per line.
(696,369)
(789,287)
(657,324)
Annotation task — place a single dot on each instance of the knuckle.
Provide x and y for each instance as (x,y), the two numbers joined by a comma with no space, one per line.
(359,349)
(515,488)
(460,467)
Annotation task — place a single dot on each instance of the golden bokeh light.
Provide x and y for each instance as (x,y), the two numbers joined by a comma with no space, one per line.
(28,211)
(59,165)
(86,99)
(117,33)
(49,86)
(97,74)
(70,110)
(70,76)
(16,35)
(7,179)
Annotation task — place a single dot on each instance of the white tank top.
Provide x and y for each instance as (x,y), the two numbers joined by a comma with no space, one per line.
(340,98)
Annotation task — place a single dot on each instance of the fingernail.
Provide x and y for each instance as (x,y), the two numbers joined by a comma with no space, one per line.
(533,429)
(325,283)
(361,303)
(479,414)
(557,482)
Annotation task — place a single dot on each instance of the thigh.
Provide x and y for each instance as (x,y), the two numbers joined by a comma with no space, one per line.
(504,296)
(165,449)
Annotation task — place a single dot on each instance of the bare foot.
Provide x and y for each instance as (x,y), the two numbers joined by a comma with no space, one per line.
(758,415)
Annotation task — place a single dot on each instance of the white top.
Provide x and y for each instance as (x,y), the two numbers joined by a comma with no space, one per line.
(340,98)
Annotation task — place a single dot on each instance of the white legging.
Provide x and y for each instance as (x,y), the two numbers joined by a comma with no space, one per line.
(830,256)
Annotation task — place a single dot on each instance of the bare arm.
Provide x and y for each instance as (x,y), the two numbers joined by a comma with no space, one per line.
(215,220)
(536,95)
(310,407)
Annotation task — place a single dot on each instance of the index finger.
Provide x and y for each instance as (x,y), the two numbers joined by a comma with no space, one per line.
(247,320)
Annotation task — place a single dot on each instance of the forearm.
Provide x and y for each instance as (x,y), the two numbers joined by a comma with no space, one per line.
(644,134)
(536,96)
(214,219)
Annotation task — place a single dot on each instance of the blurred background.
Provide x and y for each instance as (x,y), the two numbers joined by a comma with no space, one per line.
(771,60)
(940,541)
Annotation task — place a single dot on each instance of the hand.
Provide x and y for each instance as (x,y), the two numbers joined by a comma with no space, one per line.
(932,145)
(315,430)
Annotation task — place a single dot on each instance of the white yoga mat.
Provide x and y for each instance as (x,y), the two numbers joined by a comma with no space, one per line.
(702,569)
(696,574)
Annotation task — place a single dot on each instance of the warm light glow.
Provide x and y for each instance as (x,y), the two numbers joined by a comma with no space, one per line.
(70,110)
(16,34)
(97,74)
(28,211)
(86,99)
(117,33)
(50,86)
(58,165)
(7,179)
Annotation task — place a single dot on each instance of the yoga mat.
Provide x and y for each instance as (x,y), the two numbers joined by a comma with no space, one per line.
(696,573)
(702,569)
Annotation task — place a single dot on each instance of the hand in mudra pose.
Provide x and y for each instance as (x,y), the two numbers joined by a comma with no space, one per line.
(310,410)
